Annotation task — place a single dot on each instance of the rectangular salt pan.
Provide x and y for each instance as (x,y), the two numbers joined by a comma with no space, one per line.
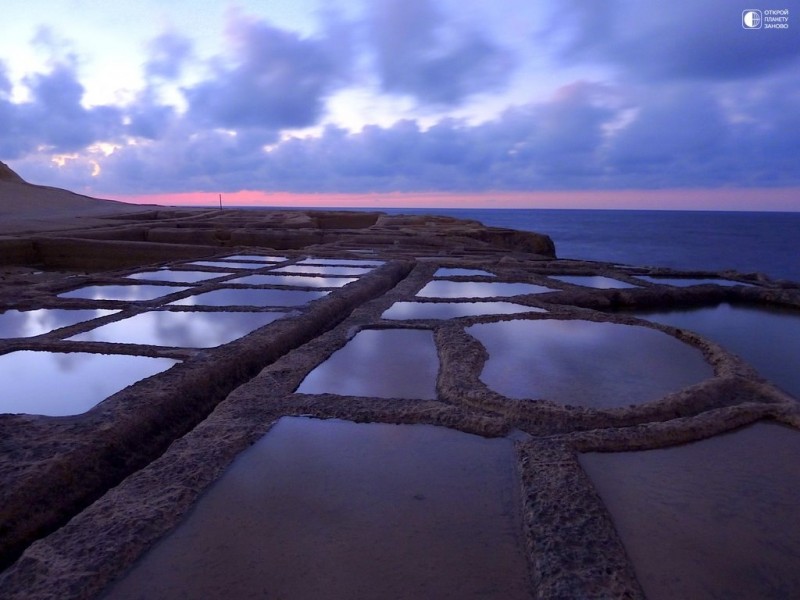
(294,280)
(478,289)
(174,276)
(450,272)
(452,310)
(28,323)
(385,363)
(330,509)
(185,329)
(221,264)
(353,262)
(322,270)
(61,384)
(255,258)
(130,293)
(250,297)
(715,518)
(593,281)
(689,281)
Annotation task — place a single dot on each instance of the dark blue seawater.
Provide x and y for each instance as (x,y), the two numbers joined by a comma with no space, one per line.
(747,242)
(763,242)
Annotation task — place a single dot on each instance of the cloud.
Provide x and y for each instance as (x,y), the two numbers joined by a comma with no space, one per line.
(169,52)
(276,79)
(420,53)
(681,39)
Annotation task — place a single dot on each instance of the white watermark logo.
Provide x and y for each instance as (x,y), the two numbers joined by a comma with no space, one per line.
(771,18)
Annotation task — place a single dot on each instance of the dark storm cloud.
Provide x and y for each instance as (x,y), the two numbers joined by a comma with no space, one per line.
(277,79)
(421,53)
(680,39)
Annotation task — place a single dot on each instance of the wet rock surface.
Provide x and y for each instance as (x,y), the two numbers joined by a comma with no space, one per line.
(83,497)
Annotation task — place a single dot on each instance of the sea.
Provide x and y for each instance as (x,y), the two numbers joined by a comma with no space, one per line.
(747,242)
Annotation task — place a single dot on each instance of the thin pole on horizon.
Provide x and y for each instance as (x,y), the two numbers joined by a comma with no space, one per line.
(220,201)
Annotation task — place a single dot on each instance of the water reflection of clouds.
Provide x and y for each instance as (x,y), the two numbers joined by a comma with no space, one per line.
(341,261)
(688,281)
(294,280)
(449,272)
(59,384)
(176,276)
(184,329)
(594,281)
(586,363)
(451,310)
(256,258)
(227,265)
(385,363)
(250,297)
(322,270)
(16,323)
(478,289)
(122,292)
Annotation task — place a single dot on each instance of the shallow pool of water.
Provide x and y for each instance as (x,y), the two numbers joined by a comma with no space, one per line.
(768,339)
(688,281)
(593,281)
(386,363)
(27,323)
(223,264)
(452,310)
(450,272)
(250,297)
(176,276)
(294,280)
(478,289)
(60,383)
(352,262)
(712,519)
(599,365)
(331,509)
(323,270)
(184,329)
(255,258)
(129,293)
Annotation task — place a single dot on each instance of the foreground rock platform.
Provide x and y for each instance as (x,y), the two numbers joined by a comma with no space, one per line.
(85,496)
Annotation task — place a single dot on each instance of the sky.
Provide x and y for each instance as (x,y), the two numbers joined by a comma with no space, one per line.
(468,103)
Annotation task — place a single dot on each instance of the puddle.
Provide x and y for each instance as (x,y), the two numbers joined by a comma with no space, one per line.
(27,323)
(478,289)
(598,365)
(322,270)
(452,310)
(448,272)
(177,276)
(768,339)
(185,329)
(60,384)
(355,262)
(331,509)
(256,258)
(712,519)
(122,292)
(294,280)
(593,281)
(250,297)
(688,281)
(221,264)
(385,363)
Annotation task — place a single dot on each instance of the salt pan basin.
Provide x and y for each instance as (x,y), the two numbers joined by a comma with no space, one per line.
(449,272)
(688,281)
(186,329)
(60,383)
(250,297)
(452,310)
(593,281)
(222,264)
(323,270)
(341,261)
(598,365)
(294,280)
(712,519)
(385,363)
(335,510)
(255,258)
(768,339)
(130,293)
(176,276)
(28,323)
(478,289)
